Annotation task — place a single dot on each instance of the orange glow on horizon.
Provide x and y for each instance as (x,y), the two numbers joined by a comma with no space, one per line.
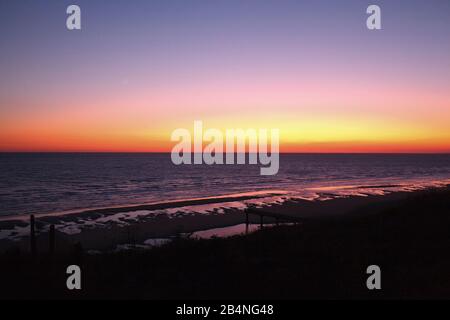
(135,121)
(108,141)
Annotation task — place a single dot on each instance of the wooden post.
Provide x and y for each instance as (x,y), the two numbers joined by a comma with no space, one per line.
(32,236)
(51,239)
(261,220)
(277,221)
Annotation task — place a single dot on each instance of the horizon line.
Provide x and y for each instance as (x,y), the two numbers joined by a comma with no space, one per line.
(167,152)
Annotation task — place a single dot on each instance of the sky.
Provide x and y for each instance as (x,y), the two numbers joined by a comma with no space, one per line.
(140,69)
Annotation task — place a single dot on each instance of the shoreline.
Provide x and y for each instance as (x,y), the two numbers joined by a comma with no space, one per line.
(310,192)
(106,229)
(157,205)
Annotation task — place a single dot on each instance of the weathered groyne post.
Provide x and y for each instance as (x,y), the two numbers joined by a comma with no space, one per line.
(32,236)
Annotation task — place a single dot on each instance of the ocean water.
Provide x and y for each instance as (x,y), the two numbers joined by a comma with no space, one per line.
(42,183)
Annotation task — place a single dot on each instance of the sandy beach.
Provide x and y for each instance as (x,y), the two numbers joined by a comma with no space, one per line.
(107,229)
(324,256)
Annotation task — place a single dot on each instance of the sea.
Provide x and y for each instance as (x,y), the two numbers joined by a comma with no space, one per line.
(50,183)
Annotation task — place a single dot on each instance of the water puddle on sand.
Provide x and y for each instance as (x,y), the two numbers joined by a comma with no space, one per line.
(223,232)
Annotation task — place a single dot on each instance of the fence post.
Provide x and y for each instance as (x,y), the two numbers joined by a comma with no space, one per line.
(246,222)
(32,236)
(51,238)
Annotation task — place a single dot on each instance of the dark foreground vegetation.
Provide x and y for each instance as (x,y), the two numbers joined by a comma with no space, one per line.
(408,239)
